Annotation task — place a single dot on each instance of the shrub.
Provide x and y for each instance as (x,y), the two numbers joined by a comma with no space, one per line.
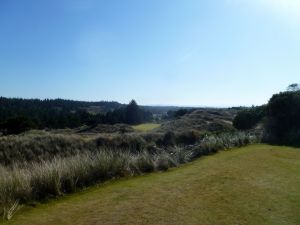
(16,125)
(162,162)
(181,155)
(188,137)
(167,140)
(143,163)
(248,118)
(283,118)
(130,142)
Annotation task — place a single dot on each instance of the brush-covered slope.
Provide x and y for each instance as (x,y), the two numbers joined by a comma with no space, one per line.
(203,120)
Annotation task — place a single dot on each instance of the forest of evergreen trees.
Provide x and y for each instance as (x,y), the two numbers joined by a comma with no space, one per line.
(19,115)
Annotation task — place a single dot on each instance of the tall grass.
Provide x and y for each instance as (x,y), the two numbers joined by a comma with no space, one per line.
(35,181)
(38,181)
(215,143)
(45,146)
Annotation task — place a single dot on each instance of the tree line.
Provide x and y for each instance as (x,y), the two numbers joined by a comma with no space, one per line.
(19,115)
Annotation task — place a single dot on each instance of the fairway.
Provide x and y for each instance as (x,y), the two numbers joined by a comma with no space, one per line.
(254,185)
(146,127)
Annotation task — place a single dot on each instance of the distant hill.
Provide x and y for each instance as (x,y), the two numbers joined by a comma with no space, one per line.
(203,120)
(15,106)
(163,109)
(20,114)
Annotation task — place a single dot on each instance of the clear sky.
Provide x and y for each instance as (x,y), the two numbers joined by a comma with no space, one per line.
(159,52)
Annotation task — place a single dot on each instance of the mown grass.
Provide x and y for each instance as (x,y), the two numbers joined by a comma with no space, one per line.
(146,127)
(258,184)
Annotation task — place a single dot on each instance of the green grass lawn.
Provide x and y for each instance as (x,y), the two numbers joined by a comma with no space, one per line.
(255,185)
(146,127)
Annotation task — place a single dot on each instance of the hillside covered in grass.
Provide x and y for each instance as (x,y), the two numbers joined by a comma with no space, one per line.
(257,184)
(202,120)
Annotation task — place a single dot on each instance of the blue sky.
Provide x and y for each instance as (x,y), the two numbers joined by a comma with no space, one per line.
(159,52)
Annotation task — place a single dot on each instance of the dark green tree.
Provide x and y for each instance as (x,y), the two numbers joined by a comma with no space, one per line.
(293,87)
(248,118)
(283,118)
(16,125)
(133,113)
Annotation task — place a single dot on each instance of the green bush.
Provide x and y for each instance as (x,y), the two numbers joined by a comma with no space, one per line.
(188,137)
(248,118)
(144,163)
(167,140)
(283,118)
(16,125)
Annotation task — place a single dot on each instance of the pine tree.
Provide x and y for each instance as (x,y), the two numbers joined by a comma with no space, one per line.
(133,113)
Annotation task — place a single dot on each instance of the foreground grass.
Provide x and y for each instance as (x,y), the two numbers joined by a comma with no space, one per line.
(258,184)
(146,127)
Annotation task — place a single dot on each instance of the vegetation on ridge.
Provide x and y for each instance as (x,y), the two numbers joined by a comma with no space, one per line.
(20,115)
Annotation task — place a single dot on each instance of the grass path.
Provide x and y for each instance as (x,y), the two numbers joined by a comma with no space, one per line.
(146,127)
(255,185)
